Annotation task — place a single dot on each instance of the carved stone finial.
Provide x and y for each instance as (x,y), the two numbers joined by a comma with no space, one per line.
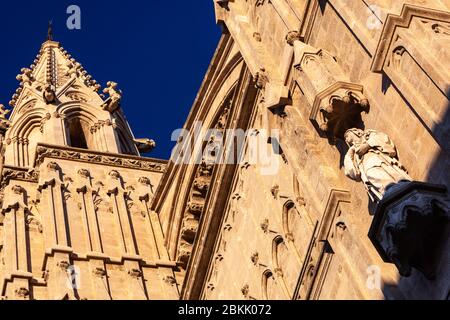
(3,112)
(115,96)
(50,31)
(26,76)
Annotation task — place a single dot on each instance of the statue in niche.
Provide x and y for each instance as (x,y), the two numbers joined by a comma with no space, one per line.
(372,159)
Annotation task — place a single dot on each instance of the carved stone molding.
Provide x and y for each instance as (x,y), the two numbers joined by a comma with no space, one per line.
(198,191)
(402,21)
(316,268)
(77,96)
(56,152)
(413,51)
(409,225)
(18,174)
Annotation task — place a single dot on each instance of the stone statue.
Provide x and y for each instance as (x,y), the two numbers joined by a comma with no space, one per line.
(372,159)
(115,95)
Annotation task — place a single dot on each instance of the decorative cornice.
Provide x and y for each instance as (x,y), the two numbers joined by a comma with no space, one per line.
(18,174)
(111,159)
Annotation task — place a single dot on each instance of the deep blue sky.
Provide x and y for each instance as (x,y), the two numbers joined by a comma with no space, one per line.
(158,51)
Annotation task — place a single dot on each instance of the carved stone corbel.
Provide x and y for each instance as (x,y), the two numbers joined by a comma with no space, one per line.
(115,183)
(261,79)
(144,189)
(409,226)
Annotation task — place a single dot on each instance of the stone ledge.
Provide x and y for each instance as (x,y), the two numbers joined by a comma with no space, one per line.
(110,159)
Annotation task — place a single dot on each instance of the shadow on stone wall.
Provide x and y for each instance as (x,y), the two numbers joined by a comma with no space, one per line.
(417,286)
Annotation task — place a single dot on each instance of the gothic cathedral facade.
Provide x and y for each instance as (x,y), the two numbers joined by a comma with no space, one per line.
(349,102)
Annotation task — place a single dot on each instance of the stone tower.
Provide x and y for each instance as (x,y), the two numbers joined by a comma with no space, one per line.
(75,221)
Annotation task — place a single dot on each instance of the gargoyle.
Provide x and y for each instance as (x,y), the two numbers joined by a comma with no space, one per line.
(145,145)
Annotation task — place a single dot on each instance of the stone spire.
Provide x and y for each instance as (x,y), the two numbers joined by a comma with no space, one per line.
(53,67)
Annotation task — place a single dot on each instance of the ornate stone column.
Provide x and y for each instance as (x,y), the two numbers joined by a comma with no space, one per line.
(17,276)
(99,278)
(84,189)
(57,266)
(120,209)
(51,186)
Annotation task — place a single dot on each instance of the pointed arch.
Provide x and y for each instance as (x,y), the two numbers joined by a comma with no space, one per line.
(23,136)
